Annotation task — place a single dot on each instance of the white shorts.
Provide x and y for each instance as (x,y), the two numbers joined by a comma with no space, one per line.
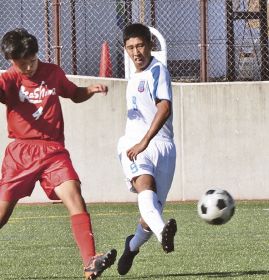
(158,160)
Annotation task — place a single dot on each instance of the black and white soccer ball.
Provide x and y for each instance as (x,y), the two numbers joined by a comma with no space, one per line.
(216,207)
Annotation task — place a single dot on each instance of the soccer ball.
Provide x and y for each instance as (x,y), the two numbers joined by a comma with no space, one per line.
(216,207)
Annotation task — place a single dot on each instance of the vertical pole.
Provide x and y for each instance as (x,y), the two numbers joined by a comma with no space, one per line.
(203,43)
(47,32)
(152,13)
(153,22)
(230,41)
(125,18)
(73,37)
(142,11)
(264,40)
(22,13)
(128,11)
(57,47)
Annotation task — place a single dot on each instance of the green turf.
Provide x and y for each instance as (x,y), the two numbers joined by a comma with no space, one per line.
(37,244)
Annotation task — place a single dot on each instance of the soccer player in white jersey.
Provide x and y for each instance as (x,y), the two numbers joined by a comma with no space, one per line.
(147,151)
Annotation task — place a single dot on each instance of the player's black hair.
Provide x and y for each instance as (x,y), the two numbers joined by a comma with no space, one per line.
(18,43)
(136,30)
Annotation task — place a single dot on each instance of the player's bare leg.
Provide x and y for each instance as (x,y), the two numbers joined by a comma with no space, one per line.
(6,209)
(94,264)
(70,194)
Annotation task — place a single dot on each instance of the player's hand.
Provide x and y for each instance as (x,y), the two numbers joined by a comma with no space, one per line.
(99,88)
(136,149)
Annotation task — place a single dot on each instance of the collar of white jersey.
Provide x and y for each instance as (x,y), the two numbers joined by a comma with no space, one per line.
(153,61)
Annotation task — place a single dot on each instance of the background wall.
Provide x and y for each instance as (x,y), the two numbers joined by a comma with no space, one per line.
(221,133)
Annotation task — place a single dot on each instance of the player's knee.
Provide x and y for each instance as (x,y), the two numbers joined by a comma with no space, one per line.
(144,182)
(74,201)
(144,225)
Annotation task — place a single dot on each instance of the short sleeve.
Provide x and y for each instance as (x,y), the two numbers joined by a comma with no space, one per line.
(2,89)
(67,88)
(2,97)
(162,88)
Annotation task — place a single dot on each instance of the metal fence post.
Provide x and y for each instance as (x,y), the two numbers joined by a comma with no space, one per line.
(57,47)
(264,41)
(203,42)
(230,41)
(47,32)
(153,21)
(73,36)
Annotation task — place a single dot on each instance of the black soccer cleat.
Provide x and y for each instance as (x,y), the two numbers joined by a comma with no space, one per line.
(99,263)
(168,235)
(126,260)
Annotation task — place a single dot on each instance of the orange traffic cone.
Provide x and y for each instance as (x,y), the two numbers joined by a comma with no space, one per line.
(105,62)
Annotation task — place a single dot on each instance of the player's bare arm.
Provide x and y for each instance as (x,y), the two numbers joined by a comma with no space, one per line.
(85,93)
(163,112)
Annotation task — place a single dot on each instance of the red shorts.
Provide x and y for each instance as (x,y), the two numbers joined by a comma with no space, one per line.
(29,161)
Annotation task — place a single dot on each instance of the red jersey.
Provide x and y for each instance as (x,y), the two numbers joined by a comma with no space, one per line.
(33,105)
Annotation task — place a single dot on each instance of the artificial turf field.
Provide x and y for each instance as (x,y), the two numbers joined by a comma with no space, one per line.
(37,244)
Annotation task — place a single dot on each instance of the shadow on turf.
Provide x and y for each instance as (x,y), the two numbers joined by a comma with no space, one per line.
(207,274)
(48,277)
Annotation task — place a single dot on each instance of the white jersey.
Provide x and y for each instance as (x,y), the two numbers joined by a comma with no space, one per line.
(143,90)
(159,158)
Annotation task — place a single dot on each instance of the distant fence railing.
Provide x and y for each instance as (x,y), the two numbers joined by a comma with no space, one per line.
(207,40)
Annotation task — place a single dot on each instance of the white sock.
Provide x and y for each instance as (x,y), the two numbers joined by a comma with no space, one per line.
(141,236)
(150,211)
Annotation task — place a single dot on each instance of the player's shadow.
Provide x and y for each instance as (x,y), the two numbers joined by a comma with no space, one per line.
(47,277)
(206,274)
(163,276)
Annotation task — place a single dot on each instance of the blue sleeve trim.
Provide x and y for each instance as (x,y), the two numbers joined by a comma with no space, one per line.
(155,74)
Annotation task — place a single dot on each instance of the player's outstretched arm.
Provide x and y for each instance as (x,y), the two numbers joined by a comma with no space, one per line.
(85,93)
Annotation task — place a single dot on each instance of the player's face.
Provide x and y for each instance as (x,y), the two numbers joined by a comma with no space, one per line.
(139,51)
(27,66)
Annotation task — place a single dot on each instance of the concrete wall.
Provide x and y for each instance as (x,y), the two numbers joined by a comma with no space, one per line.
(221,133)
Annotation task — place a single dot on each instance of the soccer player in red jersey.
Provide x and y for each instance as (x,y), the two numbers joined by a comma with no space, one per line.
(30,89)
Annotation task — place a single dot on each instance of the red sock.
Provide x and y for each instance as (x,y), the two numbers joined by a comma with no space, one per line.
(82,231)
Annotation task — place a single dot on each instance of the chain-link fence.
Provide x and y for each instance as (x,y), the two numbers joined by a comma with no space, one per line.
(207,40)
